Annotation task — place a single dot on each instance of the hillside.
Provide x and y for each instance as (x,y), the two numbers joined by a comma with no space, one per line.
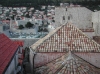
(36,3)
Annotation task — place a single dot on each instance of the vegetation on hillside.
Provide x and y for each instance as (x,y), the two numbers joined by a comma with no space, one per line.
(21,26)
(37,3)
(91,4)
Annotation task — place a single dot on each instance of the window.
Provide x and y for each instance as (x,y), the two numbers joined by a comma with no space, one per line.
(92,24)
(68,17)
(63,17)
(66,9)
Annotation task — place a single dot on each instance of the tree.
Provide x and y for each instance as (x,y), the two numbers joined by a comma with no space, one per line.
(21,26)
(53,20)
(45,30)
(27,15)
(42,29)
(29,25)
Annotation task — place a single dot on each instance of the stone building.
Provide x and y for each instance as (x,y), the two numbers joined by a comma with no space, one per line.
(9,54)
(66,50)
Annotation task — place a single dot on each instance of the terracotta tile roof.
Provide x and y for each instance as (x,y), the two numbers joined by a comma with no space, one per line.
(20,43)
(68,64)
(44,58)
(7,50)
(65,38)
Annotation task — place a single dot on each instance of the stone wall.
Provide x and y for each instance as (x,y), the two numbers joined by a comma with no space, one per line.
(59,13)
(92,58)
(79,16)
(96,22)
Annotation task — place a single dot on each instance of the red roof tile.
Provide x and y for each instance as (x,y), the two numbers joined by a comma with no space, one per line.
(66,38)
(44,58)
(68,64)
(20,43)
(7,50)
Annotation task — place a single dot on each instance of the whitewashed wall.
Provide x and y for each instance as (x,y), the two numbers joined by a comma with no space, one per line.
(96,17)
(28,31)
(80,16)
(23,22)
(93,58)
(96,22)
(89,34)
(13,65)
(59,13)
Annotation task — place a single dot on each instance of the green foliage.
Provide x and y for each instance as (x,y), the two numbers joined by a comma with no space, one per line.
(93,8)
(21,26)
(29,25)
(27,15)
(42,29)
(45,30)
(37,3)
(45,11)
(53,20)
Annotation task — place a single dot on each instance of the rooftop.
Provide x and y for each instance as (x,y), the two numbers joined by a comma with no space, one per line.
(7,50)
(20,43)
(66,38)
(68,64)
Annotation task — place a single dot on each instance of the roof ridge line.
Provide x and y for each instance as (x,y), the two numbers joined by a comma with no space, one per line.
(44,38)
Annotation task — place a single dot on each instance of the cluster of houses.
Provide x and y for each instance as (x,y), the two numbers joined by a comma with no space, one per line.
(64,39)
(65,50)
(11,55)
(13,17)
(10,19)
